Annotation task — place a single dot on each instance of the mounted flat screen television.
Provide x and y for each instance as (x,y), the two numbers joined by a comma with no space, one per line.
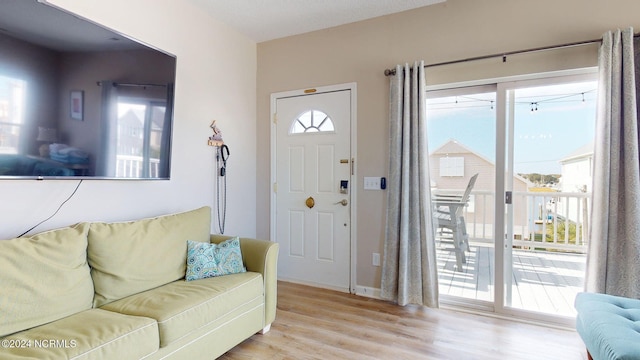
(78,100)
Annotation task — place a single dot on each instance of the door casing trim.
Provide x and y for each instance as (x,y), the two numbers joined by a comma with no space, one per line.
(352,87)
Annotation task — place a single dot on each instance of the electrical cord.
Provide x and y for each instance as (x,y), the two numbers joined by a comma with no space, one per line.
(57,210)
(221,164)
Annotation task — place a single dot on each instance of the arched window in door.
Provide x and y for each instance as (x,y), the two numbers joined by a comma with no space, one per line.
(312,121)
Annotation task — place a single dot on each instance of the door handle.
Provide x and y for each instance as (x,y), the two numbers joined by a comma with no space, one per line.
(310,202)
(342,202)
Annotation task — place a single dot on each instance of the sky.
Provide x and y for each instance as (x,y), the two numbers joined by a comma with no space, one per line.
(550,122)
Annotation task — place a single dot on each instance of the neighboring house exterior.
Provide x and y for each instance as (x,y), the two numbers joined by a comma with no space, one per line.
(577,170)
(130,134)
(452,165)
(577,177)
(135,154)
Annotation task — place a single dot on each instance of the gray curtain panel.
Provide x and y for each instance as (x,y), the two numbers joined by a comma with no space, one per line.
(613,263)
(409,271)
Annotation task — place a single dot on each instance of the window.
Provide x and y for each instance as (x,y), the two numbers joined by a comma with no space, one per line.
(140,126)
(312,121)
(12,105)
(452,166)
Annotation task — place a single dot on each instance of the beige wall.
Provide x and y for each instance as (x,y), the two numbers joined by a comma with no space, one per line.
(452,30)
(216,79)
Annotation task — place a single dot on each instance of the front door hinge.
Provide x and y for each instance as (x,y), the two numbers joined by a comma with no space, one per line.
(508,197)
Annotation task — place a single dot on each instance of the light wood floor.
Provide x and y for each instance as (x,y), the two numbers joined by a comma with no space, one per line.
(314,323)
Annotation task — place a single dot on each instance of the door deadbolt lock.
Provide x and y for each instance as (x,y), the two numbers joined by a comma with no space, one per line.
(342,202)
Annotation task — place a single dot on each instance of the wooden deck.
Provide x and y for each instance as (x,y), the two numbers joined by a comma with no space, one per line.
(542,281)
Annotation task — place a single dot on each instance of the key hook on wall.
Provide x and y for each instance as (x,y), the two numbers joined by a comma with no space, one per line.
(222,155)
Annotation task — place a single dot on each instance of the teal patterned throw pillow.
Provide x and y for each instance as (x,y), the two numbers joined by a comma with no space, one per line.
(207,260)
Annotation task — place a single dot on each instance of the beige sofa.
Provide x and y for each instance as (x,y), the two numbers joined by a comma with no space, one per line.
(118,291)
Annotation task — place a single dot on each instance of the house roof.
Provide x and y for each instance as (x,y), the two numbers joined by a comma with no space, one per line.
(453,146)
(582,152)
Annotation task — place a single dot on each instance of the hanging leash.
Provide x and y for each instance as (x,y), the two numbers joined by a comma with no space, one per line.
(221,164)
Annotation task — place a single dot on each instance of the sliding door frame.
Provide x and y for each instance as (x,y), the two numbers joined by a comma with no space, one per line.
(504,137)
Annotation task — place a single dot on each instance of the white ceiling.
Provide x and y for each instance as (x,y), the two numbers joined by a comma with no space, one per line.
(263,20)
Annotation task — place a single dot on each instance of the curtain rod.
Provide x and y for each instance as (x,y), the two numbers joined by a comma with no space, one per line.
(130,84)
(391,72)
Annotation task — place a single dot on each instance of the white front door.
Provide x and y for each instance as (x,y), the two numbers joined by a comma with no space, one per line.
(312,190)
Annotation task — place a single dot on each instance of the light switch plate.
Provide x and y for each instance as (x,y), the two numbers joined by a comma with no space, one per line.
(371,183)
(375,259)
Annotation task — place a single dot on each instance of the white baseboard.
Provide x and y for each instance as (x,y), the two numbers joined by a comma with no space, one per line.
(368,292)
(364,291)
(314,284)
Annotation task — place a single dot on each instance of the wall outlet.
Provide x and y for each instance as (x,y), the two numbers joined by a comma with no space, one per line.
(376,259)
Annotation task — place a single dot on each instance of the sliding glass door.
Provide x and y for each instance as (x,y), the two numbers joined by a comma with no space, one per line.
(550,125)
(139,137)
(513,239)
(461,134)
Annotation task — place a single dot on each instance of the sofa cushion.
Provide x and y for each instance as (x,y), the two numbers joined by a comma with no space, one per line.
(44,277)
(609,325)
(90,334)
(182,307)
(130,257)
(207,260)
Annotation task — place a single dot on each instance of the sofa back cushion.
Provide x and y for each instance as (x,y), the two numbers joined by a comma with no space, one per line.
(130,257)
(44,277)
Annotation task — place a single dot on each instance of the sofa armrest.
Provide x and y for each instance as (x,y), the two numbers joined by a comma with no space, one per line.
(260,256)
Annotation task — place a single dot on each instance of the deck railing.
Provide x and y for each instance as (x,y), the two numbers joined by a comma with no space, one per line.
(556,221)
